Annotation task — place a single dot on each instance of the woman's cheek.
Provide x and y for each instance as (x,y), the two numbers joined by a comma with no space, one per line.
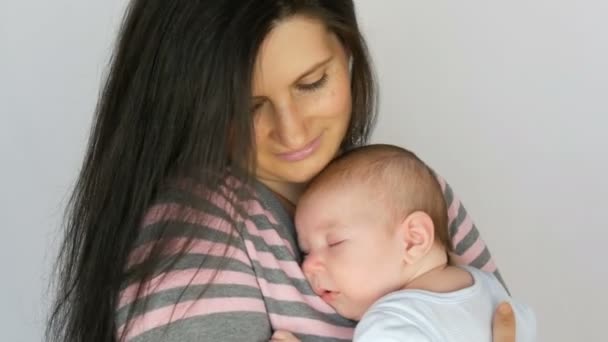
(339,104)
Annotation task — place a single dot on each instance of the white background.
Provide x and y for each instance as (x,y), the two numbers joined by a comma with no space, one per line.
(507,100)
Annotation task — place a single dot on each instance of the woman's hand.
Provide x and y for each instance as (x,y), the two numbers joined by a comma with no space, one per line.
(503,325)
(284,336)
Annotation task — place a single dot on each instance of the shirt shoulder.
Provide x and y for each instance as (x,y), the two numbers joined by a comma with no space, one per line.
(386,325)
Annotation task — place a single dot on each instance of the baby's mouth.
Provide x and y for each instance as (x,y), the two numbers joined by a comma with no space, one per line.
(328,296)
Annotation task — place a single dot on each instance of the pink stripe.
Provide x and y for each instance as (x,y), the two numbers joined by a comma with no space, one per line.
(465,227)
(472,253)
(179,213)
(198,246)
(453,211)
(252,206)
(490,266)
(270,236)
(284,292)
(163,316)
(268,260)
(289,293)
(306,326)
(184,278)
(442,182)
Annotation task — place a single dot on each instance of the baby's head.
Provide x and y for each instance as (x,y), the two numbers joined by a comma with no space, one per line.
(369,223)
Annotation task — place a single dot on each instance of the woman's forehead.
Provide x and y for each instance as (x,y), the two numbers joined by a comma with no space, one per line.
(290,50)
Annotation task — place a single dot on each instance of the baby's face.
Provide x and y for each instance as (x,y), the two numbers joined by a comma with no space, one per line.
(353,251)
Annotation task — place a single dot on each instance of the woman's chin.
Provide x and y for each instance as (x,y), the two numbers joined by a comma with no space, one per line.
(305,173)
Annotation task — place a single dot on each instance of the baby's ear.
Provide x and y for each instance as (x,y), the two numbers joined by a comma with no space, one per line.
(418,234)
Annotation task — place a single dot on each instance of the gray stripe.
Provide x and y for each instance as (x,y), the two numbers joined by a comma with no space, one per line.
(482,259)
(277,276)
(262,223)
(313,338)
(183,294)
(502,281)
(467,242)
(286,226)
(188,199)
(173,229)
(196,261)
(462,214)
(192,262)
(225,327)
(448,195)
(279,252)
(297,309)
(176,229)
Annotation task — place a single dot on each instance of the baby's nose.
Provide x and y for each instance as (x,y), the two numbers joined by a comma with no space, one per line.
(311,267)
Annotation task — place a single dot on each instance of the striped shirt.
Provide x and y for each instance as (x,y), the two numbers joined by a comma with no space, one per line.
(259,288)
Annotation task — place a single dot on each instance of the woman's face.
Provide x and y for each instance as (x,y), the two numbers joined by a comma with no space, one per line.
(301,102)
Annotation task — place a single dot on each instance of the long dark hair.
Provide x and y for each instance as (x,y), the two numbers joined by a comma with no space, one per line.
(176,104)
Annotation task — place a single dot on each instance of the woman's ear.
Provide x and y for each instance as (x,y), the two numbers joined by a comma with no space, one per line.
(417,232)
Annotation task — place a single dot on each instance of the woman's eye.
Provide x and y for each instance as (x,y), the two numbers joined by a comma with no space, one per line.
(256,107)
(315,85)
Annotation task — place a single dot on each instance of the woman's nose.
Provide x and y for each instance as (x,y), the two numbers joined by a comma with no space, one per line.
(291,127)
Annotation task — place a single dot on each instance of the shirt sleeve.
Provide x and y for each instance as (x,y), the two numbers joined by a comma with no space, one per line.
(525,323)
(469,249)
(387,326)
(210,293)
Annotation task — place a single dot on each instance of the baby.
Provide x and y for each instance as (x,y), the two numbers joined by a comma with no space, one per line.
(373,228)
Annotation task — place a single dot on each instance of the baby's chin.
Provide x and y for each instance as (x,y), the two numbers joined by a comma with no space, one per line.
(350,313)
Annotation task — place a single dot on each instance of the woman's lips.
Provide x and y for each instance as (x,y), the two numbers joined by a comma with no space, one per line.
(302,153)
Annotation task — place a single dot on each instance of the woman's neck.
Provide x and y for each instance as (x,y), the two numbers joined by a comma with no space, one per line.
(287,193)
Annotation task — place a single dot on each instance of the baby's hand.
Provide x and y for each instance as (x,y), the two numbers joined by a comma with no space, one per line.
(283,336)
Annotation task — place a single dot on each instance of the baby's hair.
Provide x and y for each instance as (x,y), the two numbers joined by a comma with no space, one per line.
(397,176)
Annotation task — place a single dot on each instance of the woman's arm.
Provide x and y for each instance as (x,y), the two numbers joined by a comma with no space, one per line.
(191,300)
(469,247)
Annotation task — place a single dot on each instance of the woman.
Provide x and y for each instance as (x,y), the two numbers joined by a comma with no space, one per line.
(214,116)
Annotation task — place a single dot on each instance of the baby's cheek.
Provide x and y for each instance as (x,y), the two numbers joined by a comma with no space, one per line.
(352,280)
